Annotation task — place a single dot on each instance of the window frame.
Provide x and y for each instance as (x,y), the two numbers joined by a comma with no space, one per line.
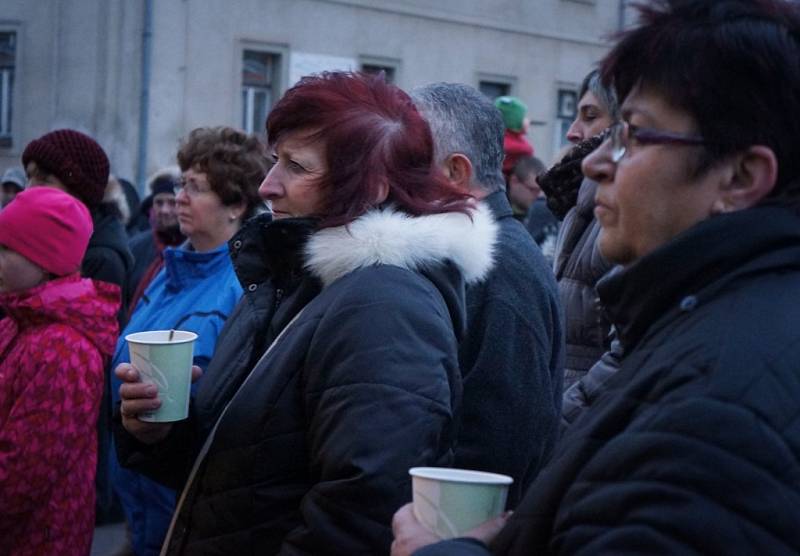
(383,62)
(280,77)
(7,142)
(561,121)
(509,81)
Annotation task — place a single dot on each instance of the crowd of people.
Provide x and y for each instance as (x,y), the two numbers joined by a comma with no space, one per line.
(392,280)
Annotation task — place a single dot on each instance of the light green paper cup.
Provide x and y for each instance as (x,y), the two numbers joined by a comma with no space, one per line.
(450,502)
(168,365)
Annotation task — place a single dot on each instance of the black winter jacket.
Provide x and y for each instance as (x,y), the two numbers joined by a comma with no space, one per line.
(312,454)
(692,446)
(107,255)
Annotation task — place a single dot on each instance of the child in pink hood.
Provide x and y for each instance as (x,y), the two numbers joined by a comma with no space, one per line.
(58,334)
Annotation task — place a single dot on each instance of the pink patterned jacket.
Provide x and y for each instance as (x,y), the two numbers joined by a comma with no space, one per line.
(54,344)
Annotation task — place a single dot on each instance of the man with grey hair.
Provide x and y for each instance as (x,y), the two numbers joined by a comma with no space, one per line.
(511,356)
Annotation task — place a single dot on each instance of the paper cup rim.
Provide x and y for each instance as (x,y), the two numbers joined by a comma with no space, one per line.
(452,475)
(131,338)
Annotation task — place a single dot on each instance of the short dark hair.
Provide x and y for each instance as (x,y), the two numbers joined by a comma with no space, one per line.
(733,65)
(234,162)
(528,165)
(373,135)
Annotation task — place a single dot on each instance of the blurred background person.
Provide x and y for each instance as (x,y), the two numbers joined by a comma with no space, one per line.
(134,204)
(578,262)
(55,342)
(147,246)
(515,140)
(308,444)
(13,181)
(195,290)
(530,204)
(522,189)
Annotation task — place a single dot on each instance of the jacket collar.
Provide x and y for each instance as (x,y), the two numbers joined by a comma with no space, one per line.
(281,249)
(183,266)
(498,205)
(388,236)
(697,263)
(265,248)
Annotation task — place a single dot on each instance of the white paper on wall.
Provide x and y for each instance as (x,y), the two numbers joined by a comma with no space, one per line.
(306,63)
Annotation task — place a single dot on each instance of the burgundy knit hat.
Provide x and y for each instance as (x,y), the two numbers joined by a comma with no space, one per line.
(74,158)
(48,227)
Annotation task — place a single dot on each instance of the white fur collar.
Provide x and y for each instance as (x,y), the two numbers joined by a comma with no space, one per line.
(395,238)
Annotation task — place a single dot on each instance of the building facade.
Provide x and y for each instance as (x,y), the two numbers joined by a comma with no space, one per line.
(139,74)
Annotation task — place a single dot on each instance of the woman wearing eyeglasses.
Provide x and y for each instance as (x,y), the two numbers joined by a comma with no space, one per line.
(196,289)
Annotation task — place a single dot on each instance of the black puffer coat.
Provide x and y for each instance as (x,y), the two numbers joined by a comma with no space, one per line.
(311,455)
(692,447)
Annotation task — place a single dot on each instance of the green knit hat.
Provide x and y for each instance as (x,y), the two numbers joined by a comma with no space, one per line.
(513,110)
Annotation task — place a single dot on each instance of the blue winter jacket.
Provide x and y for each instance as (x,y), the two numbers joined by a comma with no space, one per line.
(195,292)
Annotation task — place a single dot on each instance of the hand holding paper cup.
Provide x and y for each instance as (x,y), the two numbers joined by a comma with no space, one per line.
(164,358)
(450,502)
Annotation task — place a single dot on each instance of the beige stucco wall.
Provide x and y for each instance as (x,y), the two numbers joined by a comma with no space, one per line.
(79,61)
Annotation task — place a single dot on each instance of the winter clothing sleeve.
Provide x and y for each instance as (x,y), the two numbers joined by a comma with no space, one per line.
(719,484)
(455,547)
(48,417)
(378,400)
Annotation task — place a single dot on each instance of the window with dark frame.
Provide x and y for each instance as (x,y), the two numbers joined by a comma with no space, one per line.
(566,110)
(260,75)
(374,69)
(494,89)
(8,48)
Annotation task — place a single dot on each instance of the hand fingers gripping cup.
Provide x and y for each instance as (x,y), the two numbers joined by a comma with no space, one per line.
(164,358)
(450,502)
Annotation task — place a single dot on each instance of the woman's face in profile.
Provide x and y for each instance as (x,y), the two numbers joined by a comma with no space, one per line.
(292,185)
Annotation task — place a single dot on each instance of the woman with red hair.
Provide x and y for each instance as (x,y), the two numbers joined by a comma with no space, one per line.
(338,370)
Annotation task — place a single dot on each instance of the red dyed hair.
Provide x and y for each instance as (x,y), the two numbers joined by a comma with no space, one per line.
(372,135)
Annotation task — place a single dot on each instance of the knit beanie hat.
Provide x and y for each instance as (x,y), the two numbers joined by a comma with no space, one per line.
(48,227)
(163,184)
(513,111)
(74,158)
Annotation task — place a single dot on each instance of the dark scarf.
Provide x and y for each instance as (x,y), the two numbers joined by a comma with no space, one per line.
(562,182)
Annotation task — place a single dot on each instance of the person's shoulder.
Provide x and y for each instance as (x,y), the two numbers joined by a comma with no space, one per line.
(516,254)
(388,283)
(140,240)
(59,344)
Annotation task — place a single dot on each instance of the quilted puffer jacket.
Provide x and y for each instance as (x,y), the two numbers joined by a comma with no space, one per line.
(311,454)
